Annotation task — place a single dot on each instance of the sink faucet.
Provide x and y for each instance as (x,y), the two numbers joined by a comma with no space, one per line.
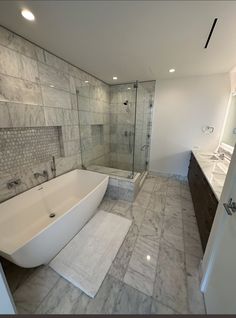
(221,156)
(43,174)
(53,167)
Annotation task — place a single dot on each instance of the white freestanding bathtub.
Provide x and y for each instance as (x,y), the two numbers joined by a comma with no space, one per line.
(29,237)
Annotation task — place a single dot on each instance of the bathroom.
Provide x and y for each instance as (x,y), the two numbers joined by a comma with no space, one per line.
(117,163)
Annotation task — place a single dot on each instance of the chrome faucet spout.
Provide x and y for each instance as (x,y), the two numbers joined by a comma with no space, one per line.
(53,167)
(39,174)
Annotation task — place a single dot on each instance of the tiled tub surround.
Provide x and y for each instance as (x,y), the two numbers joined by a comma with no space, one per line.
(37,89)
(25,147)
(120,185)
(215,171)
(164,227)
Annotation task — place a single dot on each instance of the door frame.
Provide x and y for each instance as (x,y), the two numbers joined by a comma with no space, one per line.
(218,224)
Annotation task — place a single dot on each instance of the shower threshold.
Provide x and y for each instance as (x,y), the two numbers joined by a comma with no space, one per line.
(113,171)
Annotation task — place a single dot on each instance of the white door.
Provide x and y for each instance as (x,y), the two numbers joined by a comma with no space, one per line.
(219,280)
(7,306)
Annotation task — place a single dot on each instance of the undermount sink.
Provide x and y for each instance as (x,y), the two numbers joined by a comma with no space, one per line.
(210,156)
(214,157)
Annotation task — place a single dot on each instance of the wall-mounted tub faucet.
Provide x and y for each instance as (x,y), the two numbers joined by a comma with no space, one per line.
(53,167)
(13,183)
(39,174)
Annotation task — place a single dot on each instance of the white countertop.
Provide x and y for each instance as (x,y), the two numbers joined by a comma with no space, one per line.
(215,171)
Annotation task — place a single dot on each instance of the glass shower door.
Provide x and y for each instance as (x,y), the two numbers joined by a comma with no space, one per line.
(143,125)
(122,127)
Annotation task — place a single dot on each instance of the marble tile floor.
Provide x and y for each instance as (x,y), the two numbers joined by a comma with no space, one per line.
(154,272)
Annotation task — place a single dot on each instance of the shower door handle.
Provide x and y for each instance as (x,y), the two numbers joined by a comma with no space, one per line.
(130,143)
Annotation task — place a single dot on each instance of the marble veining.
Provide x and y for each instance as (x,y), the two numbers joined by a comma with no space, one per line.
(215,171)
(167,282)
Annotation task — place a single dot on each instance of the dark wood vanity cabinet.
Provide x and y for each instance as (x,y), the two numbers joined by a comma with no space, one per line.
(204,201)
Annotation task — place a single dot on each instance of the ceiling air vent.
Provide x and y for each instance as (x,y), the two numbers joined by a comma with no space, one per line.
(210,34)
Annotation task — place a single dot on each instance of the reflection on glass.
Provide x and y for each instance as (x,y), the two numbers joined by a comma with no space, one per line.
(229,136)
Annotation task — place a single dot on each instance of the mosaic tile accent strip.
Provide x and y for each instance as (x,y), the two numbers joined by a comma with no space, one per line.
(25,147)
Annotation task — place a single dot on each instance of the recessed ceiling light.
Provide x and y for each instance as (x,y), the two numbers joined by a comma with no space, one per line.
(115,78)
(148,257)
(28,15)
(86,82)
(172,70)
(129,88)
(51,85)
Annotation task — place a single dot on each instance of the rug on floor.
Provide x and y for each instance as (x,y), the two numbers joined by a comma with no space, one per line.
(86,259)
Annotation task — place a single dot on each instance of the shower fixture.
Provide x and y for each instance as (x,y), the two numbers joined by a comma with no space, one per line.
(126,102)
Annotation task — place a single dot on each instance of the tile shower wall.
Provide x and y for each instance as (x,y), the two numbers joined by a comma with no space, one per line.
(145,102)
(122,125)
(37,89)
(94,115)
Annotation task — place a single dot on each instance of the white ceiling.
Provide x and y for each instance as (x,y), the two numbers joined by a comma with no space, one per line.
(131,39)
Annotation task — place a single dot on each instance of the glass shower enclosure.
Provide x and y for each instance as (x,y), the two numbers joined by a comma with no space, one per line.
(115,127)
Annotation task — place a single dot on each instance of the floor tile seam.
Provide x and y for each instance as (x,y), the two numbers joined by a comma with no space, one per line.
(185,262)
(47,294)
(168,306)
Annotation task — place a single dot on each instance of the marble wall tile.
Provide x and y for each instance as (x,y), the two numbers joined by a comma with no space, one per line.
(20,45)
(28,69)
(70,117)
(53,97)
(9,62)
(73,99)
(126,194)
(170,285)
(71,147)
(26,115)
(17,90)
(53,116)
(65,164)
(70,132)
(5,193)
(5,119)
(51,76)
(56,62)
(26,92)
(72,84)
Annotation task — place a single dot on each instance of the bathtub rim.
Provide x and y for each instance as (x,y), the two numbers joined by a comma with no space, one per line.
(105,180)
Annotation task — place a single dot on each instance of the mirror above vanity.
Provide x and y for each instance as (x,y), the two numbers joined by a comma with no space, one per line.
(229,133)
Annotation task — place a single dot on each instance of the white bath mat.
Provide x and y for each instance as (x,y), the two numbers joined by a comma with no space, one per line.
(88,256)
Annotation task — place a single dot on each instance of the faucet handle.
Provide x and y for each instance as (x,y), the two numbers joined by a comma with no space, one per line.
(13,183)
